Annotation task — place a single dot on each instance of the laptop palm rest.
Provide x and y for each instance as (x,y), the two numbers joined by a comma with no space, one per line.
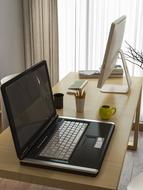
(93,145)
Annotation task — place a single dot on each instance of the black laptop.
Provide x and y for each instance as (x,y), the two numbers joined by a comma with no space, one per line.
(41,137)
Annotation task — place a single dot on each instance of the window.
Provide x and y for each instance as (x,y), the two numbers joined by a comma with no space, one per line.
(83,31)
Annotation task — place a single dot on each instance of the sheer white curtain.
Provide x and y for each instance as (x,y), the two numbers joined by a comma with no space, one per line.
(84,27)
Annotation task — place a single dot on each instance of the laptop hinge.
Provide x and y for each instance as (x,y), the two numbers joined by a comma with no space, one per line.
(29,147)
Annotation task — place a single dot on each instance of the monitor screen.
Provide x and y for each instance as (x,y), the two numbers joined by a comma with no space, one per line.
(29,97)
(112,49)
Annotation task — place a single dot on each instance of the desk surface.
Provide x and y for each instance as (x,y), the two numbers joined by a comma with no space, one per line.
(109,175)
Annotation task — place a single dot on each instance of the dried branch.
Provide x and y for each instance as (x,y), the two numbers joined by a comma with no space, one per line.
(134,56)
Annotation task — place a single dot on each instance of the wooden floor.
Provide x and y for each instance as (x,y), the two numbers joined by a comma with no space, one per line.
(133,165)
(16,185)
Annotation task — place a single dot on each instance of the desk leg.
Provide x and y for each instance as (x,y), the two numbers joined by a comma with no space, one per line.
(136,126)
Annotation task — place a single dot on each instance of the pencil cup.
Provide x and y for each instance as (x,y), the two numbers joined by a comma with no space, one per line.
(58,100)
(79,104)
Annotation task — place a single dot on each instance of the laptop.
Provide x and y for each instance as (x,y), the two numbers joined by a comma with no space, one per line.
(44,139)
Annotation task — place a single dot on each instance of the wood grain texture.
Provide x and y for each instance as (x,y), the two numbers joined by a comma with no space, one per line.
(133,165)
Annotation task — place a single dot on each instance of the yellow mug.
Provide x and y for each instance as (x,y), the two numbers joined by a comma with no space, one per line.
(106,112)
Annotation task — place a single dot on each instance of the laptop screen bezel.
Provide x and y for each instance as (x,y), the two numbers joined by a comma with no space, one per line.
(21,151)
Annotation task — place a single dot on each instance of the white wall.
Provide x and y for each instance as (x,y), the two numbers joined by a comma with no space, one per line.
(11,37)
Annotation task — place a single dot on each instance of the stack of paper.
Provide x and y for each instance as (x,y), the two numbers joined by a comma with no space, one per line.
(116,73)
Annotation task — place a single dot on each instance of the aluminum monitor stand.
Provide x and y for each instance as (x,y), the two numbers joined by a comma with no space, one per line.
(121,89)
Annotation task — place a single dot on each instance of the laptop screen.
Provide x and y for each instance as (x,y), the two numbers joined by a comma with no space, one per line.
(29,98)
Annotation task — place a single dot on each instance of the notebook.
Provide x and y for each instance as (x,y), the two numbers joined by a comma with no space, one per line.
(44,139)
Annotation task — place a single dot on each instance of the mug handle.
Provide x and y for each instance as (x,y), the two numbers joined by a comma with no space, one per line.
(113,110)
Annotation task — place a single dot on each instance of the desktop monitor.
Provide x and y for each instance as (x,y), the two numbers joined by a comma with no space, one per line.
(113,49)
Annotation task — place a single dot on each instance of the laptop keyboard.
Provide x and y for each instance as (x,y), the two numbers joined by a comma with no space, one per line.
(64,141)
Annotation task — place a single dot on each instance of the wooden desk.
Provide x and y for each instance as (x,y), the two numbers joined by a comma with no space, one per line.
(109,175)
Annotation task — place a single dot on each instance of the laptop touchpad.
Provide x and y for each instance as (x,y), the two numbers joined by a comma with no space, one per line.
(93,141)
(89,141)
